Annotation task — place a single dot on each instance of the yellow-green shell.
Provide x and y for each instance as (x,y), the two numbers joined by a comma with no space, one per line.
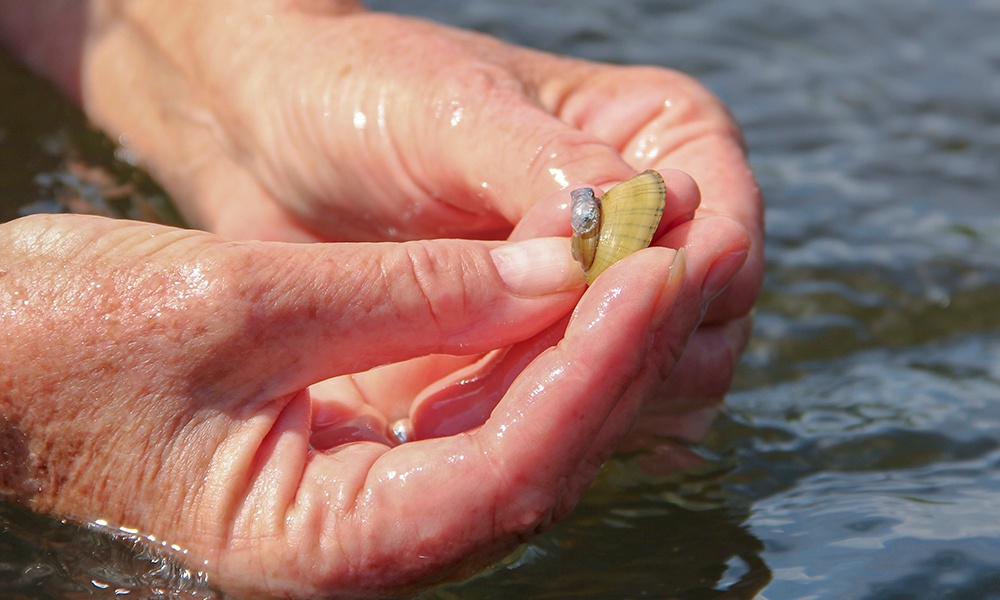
(629,215)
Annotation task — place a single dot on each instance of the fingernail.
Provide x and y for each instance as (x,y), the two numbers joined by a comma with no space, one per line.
(678,269)
(537,267)
(721,273)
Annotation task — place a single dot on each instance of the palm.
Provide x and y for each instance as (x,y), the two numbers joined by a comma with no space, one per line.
(355,487)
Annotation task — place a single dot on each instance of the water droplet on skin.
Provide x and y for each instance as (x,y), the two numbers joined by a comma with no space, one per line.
(381,113)
(606,305)
(647,148)
(456,115)
(559,176)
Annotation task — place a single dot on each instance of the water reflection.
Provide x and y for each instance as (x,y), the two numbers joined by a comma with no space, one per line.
(45,558)
(872,465)
(633,537)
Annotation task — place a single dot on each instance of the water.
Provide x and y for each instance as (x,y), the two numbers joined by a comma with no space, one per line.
(860,455)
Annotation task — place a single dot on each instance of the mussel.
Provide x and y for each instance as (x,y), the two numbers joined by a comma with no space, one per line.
(607,229)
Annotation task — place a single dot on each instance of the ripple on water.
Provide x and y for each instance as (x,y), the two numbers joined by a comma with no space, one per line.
(888,462)
(45,558)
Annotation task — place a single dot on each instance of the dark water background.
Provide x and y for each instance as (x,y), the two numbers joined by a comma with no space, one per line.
(860,455)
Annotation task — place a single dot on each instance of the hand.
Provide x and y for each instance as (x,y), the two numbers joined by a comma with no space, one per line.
(157,378)
(339,124)
(226,108)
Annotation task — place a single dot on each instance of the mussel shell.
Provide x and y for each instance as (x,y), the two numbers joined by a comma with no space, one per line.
(629,215)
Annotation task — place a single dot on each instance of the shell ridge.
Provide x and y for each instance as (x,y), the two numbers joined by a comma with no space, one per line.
(629,215)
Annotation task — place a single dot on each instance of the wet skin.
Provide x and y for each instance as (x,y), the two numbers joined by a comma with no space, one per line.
(219,394)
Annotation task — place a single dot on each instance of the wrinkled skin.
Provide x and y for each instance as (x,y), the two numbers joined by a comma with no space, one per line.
(221,395)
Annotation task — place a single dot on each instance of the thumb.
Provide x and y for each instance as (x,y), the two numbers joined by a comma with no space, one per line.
(344,308)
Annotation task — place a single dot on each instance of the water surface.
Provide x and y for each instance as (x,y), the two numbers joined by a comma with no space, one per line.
(860,455)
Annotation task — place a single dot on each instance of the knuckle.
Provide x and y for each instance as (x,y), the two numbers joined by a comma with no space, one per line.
(665,358)
(567,148)
(481,79)
(435,282)
(685,100)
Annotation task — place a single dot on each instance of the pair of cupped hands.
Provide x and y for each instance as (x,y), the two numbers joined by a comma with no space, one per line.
(232,392)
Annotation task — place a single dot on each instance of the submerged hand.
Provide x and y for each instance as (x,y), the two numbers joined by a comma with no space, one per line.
(157,378)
